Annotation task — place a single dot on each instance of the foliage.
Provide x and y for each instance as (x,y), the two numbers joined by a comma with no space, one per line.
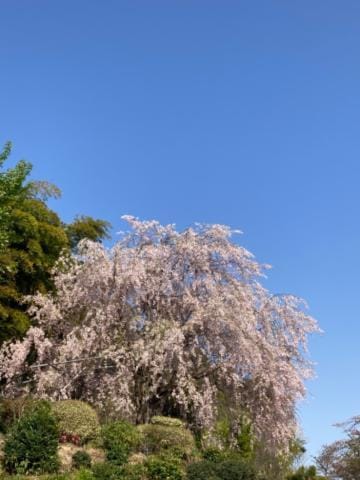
(12,409)
(82,474)
(34,237)
(229,469)
(214,454)
(31,445)
(81,459)
(77,418)
(170,319)
(245,440)
(163,469)
(119,440)
(203,470)
(304,473)
(106,471)
(11,190)
(341,459)
(87,227)
(277,466)
(240,451)
(176,440)
(134,472)
(235,469)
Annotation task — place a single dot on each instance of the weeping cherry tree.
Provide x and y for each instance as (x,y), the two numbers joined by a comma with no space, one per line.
(167,322)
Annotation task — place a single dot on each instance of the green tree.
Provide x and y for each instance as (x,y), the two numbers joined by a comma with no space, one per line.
(32,237)
(86,227)
(11,190)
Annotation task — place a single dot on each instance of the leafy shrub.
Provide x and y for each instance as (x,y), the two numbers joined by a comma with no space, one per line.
(233,469)
(163,469)
(119,440)
(106,471)
(158,438)
(81,459)
(204,470)
(214,454)
(31,445)
(82,474)
(134,472)
(78,421)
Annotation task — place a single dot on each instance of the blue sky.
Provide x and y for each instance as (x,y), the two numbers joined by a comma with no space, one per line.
(237,112)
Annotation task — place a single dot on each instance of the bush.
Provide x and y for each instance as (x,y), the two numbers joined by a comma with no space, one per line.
(78,421)
(81,459)
(82,474)
(204,470)
(226,470)
(159,438)
(214,454)
(31,445)
(134,472)
(163,469)
(235,470)
(106,471)
(119,440)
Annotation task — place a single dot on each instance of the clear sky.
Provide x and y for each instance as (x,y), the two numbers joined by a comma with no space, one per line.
(238,112)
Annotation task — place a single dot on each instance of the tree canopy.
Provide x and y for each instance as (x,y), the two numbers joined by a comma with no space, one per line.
(11,190)
(32,237)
